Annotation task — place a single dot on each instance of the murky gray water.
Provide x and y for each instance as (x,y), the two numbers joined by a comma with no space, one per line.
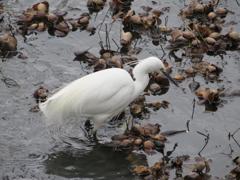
(27,149)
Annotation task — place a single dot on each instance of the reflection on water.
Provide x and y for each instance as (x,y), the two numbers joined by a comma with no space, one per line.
(101,162)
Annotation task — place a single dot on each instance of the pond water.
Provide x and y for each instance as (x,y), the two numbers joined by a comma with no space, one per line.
(28,150)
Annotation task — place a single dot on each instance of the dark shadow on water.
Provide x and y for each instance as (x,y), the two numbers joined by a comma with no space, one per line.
(101,162)
(211,107)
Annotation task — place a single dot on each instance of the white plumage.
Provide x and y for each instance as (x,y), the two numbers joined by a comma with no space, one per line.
(100,95)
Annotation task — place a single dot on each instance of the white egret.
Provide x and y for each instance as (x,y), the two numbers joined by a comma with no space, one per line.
(101,95)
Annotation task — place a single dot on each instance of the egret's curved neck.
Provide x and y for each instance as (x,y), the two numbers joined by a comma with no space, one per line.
(141,79)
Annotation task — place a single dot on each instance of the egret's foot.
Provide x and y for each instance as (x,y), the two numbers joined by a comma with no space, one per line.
(89,132)
(93,137)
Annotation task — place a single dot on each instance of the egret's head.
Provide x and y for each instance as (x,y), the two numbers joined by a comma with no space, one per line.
(154,64)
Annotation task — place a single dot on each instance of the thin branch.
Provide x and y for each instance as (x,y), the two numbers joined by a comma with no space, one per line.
(187,125)
(170,152)
(164,53)
(207,137)
(104,18)
(166,157)
(118,47)
(172,132)
(237,2)
(230,153)
(231,150)
(235,131)
(100,25)
(236,141)
(231,135)
(107,37)
(193,109)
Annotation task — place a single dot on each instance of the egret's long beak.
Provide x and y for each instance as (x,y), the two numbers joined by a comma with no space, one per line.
(170,78)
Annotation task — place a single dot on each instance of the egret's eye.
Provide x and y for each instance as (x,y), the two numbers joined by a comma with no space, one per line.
(161,69)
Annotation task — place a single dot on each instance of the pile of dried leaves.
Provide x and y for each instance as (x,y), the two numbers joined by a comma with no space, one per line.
(146,137)
(8,45)
(202,31)
(197,168)
(38,18)
(235,172)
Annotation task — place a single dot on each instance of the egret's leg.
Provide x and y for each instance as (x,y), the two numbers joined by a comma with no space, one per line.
(88,127)
(90,131)
(129,123)
(94,136)
(129,119)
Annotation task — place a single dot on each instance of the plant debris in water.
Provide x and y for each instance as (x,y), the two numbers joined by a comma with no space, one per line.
(146,137)
(8,45)
(200,34)
(40,95)
(38,19)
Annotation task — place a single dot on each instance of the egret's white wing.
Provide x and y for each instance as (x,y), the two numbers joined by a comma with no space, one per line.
(107,91)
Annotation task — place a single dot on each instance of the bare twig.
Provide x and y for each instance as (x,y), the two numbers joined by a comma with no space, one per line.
(166,157)
(193,109)
(231,149)
(118,47)
(170,152)
(187,124)
(207,137)
(230,153)
(237,3)
(235,131)
(172,132)
(100,25)
(107,38)
(101,45)
(231,135)
(104,18)
(236,141)
(164,53)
